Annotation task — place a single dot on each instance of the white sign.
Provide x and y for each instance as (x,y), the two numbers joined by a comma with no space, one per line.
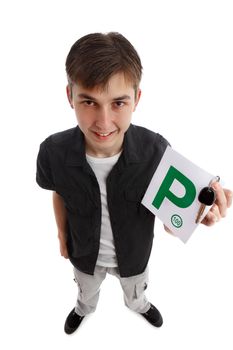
(172,194)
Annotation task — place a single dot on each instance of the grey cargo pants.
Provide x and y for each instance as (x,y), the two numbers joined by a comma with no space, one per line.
(89,289)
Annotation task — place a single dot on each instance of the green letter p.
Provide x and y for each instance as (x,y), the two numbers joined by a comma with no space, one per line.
(164,190)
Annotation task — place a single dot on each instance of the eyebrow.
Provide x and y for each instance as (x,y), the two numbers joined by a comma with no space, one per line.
(123,97)
(120,98)
(88,97)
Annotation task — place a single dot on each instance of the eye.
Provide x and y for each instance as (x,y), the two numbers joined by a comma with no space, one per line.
(88,103)
(119,103)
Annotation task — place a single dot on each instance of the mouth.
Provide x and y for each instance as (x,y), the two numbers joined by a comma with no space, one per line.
(103,136)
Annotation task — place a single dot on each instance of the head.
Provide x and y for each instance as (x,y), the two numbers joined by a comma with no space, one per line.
(104,73)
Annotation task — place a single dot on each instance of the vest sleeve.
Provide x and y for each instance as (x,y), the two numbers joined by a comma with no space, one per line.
(44,176)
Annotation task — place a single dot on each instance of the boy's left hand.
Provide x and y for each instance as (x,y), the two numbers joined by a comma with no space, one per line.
(219,208)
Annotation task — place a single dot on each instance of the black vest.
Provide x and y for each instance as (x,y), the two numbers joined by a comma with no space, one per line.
(62,167)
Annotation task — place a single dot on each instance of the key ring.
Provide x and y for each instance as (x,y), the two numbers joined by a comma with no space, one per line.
(215,179)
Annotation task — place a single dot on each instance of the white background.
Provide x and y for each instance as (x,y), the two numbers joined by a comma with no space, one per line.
(187,54)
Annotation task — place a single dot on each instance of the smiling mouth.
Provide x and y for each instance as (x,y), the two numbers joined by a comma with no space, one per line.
(103,135)
(100,134)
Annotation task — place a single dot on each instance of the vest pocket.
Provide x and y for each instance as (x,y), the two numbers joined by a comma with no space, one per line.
(133,198)
(134,195)
(79,203)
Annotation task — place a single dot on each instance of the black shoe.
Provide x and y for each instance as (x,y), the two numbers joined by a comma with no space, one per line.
(72,322)
(153,316)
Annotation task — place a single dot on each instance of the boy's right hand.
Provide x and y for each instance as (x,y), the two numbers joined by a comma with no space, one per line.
(63,249)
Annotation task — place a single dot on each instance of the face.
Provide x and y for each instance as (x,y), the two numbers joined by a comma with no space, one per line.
(104,115)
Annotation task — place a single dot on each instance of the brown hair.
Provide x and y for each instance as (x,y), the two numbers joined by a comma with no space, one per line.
(94,58)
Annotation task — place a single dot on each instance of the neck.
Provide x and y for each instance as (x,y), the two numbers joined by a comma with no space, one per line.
(102,152)
(105,154)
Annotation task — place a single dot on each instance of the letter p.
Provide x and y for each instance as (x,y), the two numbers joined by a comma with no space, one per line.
(164,190)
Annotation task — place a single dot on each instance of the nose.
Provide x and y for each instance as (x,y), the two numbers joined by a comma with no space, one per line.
(103,119)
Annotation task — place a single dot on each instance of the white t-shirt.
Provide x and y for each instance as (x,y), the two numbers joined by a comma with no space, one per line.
(101,168)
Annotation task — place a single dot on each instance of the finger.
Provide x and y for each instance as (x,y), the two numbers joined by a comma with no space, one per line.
(221,200)
(65,254)
(167,229)
(210,219)
(212,216)
(229,196)
(215,210)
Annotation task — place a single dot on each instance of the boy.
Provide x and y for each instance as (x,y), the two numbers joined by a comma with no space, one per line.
(99,172)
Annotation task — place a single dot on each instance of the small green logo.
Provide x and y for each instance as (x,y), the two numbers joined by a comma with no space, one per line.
(176,221)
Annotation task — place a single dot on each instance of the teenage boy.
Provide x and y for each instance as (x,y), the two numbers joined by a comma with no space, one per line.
(99,172)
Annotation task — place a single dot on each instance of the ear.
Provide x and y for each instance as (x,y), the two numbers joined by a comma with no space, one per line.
(137,98)
(69,95)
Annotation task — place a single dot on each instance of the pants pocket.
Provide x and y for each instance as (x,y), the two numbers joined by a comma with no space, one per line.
(140,288)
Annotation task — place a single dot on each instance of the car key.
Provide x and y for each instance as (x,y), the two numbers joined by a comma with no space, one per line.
(206,197)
